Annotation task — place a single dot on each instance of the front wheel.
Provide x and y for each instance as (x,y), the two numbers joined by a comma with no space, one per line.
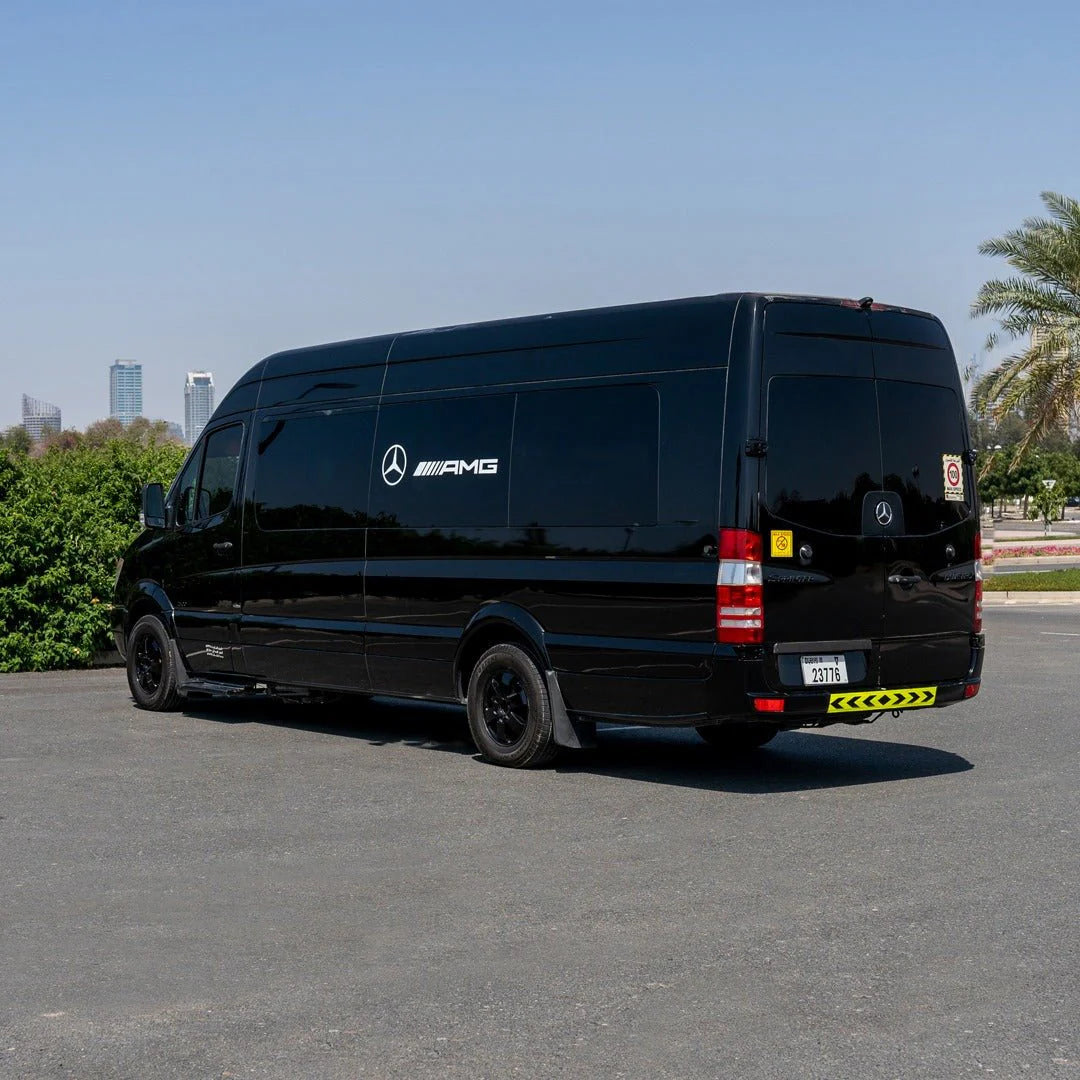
(510,709)
(151,670)
(737,738)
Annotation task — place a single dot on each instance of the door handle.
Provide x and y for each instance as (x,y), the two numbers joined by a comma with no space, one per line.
(222,546)
(905,581)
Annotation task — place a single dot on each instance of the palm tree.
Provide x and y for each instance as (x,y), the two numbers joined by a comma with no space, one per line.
(1040,307)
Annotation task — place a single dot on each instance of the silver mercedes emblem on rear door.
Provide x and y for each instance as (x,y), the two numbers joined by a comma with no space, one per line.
(883,512)
(394,463)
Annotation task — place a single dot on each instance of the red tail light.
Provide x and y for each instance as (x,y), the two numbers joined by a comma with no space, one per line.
(769,704)
(740,619)
(977,620)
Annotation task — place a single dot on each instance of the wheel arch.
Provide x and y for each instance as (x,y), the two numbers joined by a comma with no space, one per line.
(149,598)
(492,625)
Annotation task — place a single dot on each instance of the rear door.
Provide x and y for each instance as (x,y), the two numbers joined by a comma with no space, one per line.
(823,561)
(930,543)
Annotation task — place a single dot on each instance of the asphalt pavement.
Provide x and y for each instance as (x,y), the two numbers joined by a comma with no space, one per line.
(248,892)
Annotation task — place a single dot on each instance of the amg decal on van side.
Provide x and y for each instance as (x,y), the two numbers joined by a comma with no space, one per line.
(478,466)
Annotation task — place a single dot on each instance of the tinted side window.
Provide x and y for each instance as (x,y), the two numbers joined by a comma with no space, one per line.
(919,425)
(311,472)
(222,459)
(184,493)
(442,463)
(586,457)
(823,451)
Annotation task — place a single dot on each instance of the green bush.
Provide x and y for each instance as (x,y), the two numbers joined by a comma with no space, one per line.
(65,518)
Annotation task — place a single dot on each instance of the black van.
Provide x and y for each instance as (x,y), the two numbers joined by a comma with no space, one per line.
(741,512)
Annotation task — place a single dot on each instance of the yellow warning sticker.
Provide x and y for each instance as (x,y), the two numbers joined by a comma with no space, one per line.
(780,543)
(872,700)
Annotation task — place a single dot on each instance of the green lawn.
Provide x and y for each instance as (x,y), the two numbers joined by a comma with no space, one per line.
(1036,581)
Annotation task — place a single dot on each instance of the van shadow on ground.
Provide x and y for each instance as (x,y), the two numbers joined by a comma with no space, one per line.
(793,761)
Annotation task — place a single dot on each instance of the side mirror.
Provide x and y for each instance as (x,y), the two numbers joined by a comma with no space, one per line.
(153,506)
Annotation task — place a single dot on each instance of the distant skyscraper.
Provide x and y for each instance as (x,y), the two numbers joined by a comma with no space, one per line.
(198,403)
(39,417)
(175,430)
(125,391)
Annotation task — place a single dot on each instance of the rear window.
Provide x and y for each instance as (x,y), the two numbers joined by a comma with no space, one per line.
(922,426)
(823,453)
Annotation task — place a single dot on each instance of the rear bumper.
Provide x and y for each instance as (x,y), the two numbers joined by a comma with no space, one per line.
(736,679)
(837,705)
(820,709)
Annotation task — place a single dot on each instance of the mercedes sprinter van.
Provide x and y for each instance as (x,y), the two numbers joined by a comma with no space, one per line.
(744,513)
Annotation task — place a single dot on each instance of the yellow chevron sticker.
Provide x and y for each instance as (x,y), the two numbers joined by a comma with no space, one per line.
(873,700)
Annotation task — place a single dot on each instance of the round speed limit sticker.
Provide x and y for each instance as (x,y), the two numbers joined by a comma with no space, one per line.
(954,477)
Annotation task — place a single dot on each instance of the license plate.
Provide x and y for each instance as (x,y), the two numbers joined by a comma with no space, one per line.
(824,670)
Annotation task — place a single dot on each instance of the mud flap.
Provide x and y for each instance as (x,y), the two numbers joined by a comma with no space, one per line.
(183,676)
(573,734)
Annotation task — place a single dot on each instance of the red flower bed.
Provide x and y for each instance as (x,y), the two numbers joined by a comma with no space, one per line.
(1027,550)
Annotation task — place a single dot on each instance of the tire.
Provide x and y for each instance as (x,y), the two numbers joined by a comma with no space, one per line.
(510,710)
(151,669)
(737,738)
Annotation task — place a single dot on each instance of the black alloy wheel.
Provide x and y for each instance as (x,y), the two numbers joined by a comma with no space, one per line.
(151,670)
(506,706)
(148,663)
(510,709)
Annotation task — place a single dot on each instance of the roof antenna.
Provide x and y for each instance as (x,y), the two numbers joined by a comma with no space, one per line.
(865,302)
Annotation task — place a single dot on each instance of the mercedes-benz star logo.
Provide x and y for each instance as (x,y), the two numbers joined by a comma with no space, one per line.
(883,511)
(394,463)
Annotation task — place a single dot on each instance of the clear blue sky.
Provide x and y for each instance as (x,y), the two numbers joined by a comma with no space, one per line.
(199,184)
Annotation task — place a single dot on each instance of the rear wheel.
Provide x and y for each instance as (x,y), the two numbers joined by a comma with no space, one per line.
(510,710)
(737,738)
(151,670)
